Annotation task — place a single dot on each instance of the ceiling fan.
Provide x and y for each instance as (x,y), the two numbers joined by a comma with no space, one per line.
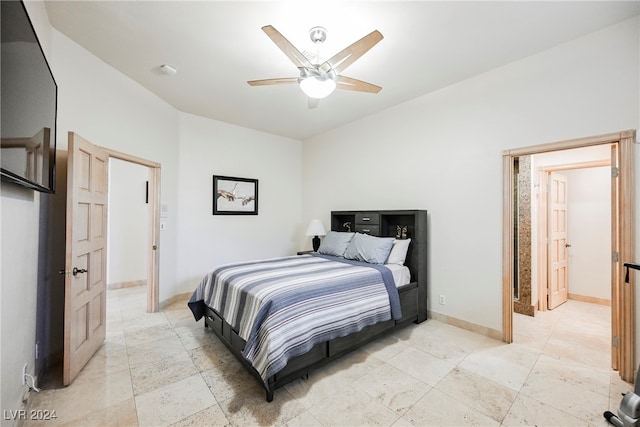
(318,78)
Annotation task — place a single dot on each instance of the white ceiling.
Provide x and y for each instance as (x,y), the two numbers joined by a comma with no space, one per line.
(217,46)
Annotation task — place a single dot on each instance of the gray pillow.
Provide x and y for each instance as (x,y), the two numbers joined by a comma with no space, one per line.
(374,250)
(335,243)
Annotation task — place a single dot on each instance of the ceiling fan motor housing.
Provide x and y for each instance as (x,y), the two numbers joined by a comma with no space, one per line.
(318,34)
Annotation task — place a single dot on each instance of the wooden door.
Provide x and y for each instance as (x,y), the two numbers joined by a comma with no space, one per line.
(557,223)
(85,264)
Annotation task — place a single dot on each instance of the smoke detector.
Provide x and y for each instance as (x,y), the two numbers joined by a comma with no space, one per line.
(168,70)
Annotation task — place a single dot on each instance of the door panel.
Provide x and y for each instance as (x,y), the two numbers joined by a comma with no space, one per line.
(85,281)
(558,279)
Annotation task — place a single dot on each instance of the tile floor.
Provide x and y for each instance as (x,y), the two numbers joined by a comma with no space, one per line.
(164,369)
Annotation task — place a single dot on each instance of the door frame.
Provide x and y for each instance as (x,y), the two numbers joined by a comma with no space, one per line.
(543,233)
(153,300)
(625,236)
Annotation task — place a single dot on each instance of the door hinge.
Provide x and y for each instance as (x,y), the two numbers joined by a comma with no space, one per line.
(615,171)
(615,257)
(615,341)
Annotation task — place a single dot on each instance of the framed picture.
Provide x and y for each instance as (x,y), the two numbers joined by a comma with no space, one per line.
(235,196)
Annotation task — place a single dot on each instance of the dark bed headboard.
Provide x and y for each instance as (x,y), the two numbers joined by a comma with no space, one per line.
(385,224)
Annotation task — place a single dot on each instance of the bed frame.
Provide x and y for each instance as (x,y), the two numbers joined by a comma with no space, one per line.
(413,296)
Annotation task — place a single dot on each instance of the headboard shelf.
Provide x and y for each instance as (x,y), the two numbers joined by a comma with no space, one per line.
(384,223)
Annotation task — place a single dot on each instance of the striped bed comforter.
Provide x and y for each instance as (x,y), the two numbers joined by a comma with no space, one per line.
(282,307)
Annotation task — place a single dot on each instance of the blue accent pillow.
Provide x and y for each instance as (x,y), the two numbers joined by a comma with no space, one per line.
(335,243)
(365,248)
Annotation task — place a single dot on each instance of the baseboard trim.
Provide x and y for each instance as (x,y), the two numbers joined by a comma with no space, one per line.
(174,299)
(129,284)
(463,324)
(592,300)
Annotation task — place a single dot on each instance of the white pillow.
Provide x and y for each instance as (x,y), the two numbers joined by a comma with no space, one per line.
(371,249)
(335,243)
(399,251)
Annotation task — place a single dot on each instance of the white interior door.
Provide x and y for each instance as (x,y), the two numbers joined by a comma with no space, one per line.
(85,264)
(557,223)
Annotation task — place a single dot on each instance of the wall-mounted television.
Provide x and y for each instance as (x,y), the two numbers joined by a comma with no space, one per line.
(28,109)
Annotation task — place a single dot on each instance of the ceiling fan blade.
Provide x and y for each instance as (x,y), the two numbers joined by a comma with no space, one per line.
(348,83)
(347,56)
(265,82)
(285,46)
(313,102)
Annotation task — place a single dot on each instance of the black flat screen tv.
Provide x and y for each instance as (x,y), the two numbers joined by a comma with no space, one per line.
(29,96)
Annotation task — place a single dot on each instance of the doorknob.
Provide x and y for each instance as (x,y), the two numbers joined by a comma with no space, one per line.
(566,245)
(77,270)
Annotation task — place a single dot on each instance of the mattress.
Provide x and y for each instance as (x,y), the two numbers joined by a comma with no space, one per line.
(401,274)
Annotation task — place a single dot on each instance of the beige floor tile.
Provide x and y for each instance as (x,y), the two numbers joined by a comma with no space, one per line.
(479,393)
(231,380)
(212,416)
(143,335)
(351,406)
(215,354)
(91,392)
(591,354)
(570,374)
(133,320)
(150,376)
(501,365)
(305,419)
(110,358)
(423,366)
(194,335)
(573,395)
(527,412)
(154,351)
(252,409)
(438,409)
(174,402)
(452,344)
(120,415)
(393,388)
(317,388)
(385,347)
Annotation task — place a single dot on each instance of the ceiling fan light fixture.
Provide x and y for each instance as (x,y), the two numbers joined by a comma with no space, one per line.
(317,87)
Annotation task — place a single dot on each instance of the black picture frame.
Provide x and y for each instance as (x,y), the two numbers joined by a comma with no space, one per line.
(235,196)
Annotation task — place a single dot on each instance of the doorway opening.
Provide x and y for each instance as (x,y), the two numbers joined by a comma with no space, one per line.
(147,239)
(622,239)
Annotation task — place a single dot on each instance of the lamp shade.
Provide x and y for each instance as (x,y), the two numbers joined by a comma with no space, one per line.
(317,87)
(315,228)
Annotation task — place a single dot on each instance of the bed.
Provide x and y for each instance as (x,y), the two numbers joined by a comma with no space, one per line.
(282,317)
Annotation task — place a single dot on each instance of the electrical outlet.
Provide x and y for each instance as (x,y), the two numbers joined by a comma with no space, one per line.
(441,299)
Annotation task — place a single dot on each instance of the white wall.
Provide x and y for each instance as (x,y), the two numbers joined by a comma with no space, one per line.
(443,152)
(129,222)
(208,148)
(20,234)
(20,222)
(589,231)
(110,110)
